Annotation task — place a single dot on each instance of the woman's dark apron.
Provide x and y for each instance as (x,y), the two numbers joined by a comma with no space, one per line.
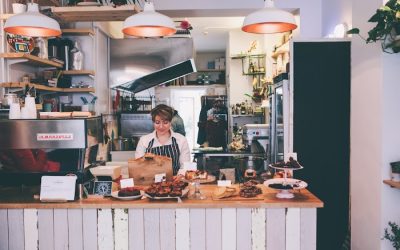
(172,151)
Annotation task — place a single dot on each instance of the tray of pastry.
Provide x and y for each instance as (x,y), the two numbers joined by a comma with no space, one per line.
(167,190)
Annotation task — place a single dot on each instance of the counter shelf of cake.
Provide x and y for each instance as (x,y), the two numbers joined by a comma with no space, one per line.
(30,149)
(285,185)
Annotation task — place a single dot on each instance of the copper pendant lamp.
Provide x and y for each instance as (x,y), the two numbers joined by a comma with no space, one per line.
(149,23)
(32,23)
(269,20)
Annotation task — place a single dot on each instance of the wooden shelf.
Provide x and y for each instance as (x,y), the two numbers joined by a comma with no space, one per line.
(393,184)
(242,56)
(46,88)
(94,13)
(254,73)
(210,70)
(5,16)
(32,60)
(251,115)
(77,32)
(78,90)
(78,72)
(48,2)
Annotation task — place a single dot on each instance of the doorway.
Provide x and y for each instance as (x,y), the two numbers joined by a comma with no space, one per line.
(187,103)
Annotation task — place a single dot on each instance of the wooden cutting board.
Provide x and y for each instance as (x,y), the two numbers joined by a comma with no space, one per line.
(143,169)
(237,197)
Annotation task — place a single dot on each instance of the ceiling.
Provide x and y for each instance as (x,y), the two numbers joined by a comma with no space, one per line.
(210,34)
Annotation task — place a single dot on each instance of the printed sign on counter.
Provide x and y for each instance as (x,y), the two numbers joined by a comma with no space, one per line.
(57,188)
(160,177)
(226,183)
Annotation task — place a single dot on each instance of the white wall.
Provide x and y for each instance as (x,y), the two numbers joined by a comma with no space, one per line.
(239,42)
(335,12)
(390,199)
(374,134)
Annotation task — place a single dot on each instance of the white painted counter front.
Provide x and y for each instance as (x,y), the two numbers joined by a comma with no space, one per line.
(112,224)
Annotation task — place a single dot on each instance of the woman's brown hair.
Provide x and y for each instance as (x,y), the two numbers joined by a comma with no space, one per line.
(163,111)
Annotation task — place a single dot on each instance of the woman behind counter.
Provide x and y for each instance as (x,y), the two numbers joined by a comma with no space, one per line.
(163,141)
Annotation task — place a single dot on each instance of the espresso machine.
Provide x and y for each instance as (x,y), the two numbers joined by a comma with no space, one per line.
(256,139)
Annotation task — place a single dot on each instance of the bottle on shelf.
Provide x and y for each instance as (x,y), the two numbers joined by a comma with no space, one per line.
(243,108)
(77,57)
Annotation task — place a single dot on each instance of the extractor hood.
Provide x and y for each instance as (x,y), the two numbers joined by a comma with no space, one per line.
(139,64)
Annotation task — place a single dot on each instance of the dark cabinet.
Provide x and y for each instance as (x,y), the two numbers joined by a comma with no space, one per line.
(321,132)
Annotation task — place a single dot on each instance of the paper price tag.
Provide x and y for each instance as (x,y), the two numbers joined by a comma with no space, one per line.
(190,166)
(127,183)
(160,177)
(226,183)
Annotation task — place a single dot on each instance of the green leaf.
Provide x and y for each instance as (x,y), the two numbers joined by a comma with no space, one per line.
(353,31)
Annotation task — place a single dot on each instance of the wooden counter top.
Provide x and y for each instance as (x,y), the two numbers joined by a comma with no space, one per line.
(10,199)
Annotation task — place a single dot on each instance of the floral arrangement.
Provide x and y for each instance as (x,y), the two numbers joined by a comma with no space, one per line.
(387,19)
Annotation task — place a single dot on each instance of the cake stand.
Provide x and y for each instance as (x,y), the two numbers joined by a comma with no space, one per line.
(285,185)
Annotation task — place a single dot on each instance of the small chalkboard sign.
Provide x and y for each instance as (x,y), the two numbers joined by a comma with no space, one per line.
(102,188)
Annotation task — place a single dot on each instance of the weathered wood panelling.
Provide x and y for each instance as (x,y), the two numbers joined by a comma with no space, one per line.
(164,229)
(228,228)
(293,229)
(308,228)
(276,227)
(197,229)
(213,229)
(121,229)
(60,229)
(136,229)
(243,231)
(3,229)
(89,229)
(258,228)
(30,229)
(182,229)
(75,227)
(152,228)
(46,229)
(105,237)
(16,229)
(167,229)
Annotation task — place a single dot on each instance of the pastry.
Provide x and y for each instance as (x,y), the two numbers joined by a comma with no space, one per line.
(250,189)
(196,174)
(129,191)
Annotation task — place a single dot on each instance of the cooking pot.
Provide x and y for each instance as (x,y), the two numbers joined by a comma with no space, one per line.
(124,144)
(9,98)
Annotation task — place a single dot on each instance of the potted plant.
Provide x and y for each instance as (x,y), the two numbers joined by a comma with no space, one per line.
(393,236)
(19,6)
(387,28)
(395,170)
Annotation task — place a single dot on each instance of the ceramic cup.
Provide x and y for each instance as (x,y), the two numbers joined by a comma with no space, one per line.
(25,113)
(15,112)
(18,8)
